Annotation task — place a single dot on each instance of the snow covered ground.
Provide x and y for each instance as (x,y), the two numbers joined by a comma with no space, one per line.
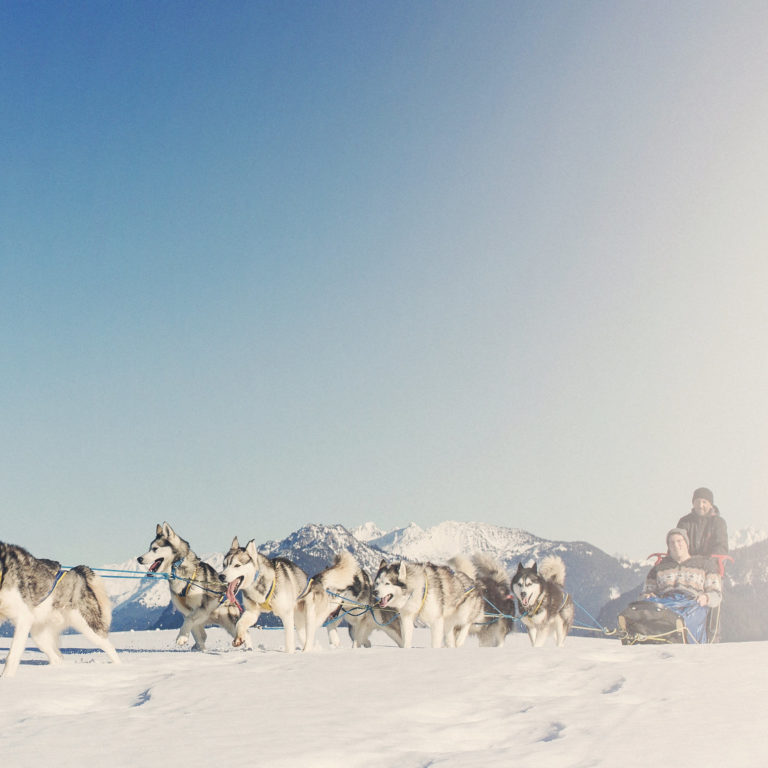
(591,703)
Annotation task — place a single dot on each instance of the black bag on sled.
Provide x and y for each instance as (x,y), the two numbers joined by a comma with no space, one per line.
(654,622)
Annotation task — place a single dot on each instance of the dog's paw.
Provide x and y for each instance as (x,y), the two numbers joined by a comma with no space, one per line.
(182,640)
(238,641)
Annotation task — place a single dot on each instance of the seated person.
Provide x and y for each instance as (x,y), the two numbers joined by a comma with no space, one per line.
(688,585)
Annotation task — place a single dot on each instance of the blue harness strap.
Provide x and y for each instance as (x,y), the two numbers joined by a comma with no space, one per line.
(190,582)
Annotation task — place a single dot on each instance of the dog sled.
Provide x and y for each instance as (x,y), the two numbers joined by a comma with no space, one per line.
(676,618)
(671,619)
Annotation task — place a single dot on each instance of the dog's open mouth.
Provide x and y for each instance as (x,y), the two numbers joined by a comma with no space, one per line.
(156,565)
(384,601)
(232,590)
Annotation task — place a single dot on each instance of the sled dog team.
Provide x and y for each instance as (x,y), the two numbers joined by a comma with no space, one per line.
(471,596)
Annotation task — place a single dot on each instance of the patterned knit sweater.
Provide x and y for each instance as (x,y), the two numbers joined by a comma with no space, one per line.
(694,576)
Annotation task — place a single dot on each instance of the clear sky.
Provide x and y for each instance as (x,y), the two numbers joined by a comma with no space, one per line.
(266,263)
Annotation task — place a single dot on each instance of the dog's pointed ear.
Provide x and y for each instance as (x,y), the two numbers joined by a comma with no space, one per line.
(519,569)
(159,530)
(168,532)
(250,548)
(535,568)
(235,544)
(401,571)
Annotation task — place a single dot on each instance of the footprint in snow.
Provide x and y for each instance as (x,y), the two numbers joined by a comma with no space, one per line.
(617,686)
(555,729)
(142,698)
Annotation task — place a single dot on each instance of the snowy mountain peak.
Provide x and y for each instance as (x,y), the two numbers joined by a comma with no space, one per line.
(746,537)
(368,532)
(443,541)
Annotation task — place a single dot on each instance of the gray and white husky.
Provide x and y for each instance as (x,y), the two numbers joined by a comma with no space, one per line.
(327,590)
(544,605)
(363,617)
(446,600)
(196,591)
(268,586)
(41,599)
(492,582)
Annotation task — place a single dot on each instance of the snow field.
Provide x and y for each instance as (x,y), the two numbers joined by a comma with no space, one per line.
(591,703)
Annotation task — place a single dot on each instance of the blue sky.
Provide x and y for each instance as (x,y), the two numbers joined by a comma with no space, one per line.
(266,264)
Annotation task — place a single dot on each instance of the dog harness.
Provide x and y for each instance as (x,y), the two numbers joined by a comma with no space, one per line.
(56,581)
(184,591)
(188,583)
(424,598)
(536,608)
(267,604)
(305,591)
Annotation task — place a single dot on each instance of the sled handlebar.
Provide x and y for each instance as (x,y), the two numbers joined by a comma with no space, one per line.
(658,555)
(721,562)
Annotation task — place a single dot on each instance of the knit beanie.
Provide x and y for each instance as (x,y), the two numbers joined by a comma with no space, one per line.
(703,493)
(680,532)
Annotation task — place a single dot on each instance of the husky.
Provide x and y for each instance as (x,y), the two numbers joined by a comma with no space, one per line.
(326,592)
(447,601)
(544,604)
(363,617)
(268,585)
(196,590)
(492,581)
(42,599)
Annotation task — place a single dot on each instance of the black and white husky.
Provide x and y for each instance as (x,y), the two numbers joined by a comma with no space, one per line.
(447,601)
(268,586)
(543,603)
(327,590)
(363,617)
(492,582)
(41,599)
(196,591)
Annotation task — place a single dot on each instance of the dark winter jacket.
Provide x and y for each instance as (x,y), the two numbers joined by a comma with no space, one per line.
(708,534)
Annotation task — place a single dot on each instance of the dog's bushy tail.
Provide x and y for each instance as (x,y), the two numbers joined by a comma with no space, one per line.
(552,568)
(81,589)
(490,569)
(463,564)
(340,574)
(494,583)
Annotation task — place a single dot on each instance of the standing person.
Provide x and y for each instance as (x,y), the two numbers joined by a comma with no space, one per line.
(706,529)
